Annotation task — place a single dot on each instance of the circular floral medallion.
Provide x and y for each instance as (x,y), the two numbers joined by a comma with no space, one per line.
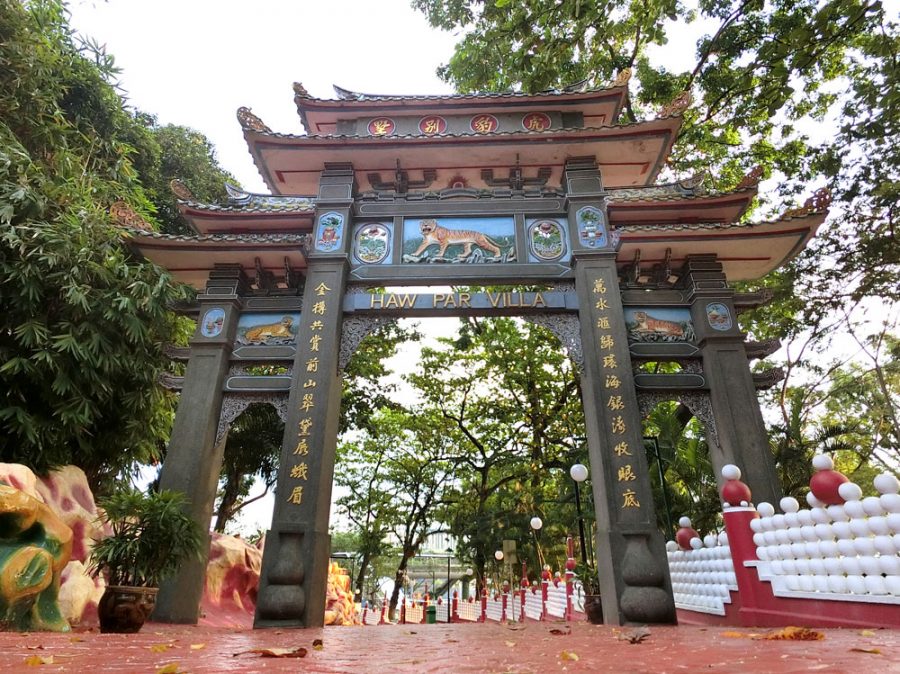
(547,240)
(373,243)
(213,322)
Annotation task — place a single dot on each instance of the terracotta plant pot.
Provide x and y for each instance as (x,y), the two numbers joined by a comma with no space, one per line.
(593,609)
(124,609)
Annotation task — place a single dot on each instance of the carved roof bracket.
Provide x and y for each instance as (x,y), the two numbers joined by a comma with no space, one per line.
(517,179)
(401,183)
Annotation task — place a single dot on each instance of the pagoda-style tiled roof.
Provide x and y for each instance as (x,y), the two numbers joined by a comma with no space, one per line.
(747,251)
(246,211)
(628,155)
(190,257)
(599,106)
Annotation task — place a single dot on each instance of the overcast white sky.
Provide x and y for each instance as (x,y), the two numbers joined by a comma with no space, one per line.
(196,62)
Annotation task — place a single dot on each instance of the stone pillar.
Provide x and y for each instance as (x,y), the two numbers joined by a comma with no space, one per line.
(194,460)
(631,556)
(740,430)
(294,573)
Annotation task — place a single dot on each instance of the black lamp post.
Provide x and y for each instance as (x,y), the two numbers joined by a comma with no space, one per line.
(579,474)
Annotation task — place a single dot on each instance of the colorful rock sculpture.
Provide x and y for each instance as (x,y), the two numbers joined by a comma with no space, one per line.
(35,546)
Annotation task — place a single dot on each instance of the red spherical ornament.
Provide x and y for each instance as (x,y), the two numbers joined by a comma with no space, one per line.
(734,492)
(824,486)
(571,564)
(683,537)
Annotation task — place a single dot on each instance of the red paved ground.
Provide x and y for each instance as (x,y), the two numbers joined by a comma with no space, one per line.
(523,649)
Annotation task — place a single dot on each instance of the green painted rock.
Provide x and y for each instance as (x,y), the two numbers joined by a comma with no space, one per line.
(35,546)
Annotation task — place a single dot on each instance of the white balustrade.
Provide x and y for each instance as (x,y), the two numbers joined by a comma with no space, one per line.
(849,551)
(703,577)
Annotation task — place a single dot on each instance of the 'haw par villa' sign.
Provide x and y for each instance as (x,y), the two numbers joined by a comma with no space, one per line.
(543,192)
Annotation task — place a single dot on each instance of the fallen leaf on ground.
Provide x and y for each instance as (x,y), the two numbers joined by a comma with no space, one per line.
(792,633)
(197,647)
(511,644)
(867,633)
(559,631)
(318,644)
(35,648)
(171,668)
(635,636)
(873,651)
(159,648)
(75,640)
(736,635)
(37,660)
(569,655)
(277,652)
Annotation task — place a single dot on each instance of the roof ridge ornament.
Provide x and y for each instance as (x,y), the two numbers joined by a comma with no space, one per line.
(236,195)
(622,78)
(181,191)
(300,90)
(817,203)
(676,106)
(250,122)
(125,216)
(693,183)
(751,179)
(345,94)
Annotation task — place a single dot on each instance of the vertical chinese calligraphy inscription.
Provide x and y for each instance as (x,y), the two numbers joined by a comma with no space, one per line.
(634,578)
(295,561)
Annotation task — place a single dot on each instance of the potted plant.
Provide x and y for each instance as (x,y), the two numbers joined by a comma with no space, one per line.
(151,537)
(590,583)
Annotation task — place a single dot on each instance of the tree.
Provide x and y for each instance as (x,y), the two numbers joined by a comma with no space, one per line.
(82,322)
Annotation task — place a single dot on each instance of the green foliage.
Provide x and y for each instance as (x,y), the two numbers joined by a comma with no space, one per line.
(81,321)
(151,537)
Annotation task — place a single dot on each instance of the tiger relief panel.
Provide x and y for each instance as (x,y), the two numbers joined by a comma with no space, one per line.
(459,240)
(659,324)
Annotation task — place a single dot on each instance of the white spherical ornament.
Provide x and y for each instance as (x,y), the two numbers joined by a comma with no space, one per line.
(893,585)
(795,534)
(856,584)
(696,543)
(822,462)
(808,533)
(763,553)
(864,546)
(777,567)
(811,549)
(893,522)
(833,566)
(789,504)
(802,566)
(870,566)
(846,548)
(671,546)
(828,549)
(823,532)
(837,584)
(731,472)
(850,491)
(813,501)
(805,518)
(886,484)
(820,583)
(854,509)
(872,506)
(798,550)
(841,530)
(859,527)
(875,585)
(890,502)
(792,583)
(684,522)
(756,525)
(765,509)
(885,546)
(778,522)
(878,525)
(820,515)
(782,536)
(837,513)
(772,552)
(791,520)
(723,537)
(807,584)
(784,551)
(789,566)
(770,537)
(817,566)
(896,539)
(710,540)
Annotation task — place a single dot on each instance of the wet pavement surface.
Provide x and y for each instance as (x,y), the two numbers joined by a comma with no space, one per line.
(515,647)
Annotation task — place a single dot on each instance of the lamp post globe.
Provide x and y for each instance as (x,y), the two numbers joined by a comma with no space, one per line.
(579,472)
(536,523)
(498,555)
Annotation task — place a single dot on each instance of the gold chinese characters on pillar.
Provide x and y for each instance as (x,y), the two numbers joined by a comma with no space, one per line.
(299,471)
(613,401)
